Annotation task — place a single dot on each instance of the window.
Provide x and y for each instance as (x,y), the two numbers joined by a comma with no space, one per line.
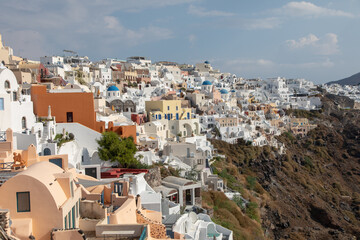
(23,122)
(168,107)
(1,103)
(7,84)
(15,98)
(69,219)
(23,201)
(73,216)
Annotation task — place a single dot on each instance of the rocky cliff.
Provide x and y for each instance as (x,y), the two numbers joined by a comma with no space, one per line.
(312,191)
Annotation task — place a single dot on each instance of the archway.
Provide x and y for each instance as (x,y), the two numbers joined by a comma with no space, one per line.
(47,152)
(187,130)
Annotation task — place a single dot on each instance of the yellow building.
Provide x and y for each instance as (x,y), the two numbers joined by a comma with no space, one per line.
(167,109)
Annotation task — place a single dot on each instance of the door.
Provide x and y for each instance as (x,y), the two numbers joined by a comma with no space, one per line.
(118,188)
(69,117)
(91,172)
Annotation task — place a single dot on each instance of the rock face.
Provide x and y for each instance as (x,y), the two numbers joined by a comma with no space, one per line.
(153,177)
(315,188)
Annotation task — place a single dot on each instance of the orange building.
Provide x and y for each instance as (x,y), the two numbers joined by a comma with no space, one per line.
(124,131)
(66,107)
(74,107)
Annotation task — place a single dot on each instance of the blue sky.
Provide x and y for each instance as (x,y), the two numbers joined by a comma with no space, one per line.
(317,40)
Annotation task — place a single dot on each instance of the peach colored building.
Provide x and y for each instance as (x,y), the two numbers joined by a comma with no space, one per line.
(39,199)
(25,157)
(128,220)
(66,107)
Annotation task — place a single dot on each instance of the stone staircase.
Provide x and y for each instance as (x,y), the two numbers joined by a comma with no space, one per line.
(157,229)
(44,135)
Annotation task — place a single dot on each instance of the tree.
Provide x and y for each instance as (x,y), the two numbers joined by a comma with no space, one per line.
(119,150)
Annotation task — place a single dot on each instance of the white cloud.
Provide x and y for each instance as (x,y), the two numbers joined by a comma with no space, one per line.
(253,66)
(311,39)
(112,23)
(30,43)
(328,45)
(308,9)
(257,62)
(118,33)
(260,23)
(201,12)
(82,25)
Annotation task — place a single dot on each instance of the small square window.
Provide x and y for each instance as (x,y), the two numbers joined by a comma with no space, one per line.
(23,201)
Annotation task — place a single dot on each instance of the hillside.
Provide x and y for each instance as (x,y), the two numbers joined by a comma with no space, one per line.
(352,80)
(311,192)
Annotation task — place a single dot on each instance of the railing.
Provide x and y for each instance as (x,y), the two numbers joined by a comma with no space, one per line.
(143,234)
(2,136)
(6,166)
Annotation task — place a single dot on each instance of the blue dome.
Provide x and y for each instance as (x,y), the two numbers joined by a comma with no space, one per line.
(207,62)
(233,90)
(224,91)
(206,83)
(113,88)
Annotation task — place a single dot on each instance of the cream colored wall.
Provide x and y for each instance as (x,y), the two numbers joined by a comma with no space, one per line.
(23,77)
(165,107)
(126,214)
(4,55)
(44,212)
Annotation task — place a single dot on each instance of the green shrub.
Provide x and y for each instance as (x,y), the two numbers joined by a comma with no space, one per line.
(251,211)
(251,182)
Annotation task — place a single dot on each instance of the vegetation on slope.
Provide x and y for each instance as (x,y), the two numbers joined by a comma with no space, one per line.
(312,191)
(228,214)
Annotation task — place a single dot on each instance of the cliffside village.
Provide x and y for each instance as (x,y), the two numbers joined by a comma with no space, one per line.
(65,191)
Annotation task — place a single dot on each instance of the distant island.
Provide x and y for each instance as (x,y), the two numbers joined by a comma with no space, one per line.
(352,80)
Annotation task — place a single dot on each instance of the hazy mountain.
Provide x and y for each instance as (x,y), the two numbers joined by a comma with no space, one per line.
(352,80)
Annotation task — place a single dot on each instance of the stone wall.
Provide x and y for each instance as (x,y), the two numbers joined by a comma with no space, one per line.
(92,210)
(4,220)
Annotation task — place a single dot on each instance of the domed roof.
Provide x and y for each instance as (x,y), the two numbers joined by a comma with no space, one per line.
(113,88)
(206,83)
(224,91)
(233,90)
(207,62)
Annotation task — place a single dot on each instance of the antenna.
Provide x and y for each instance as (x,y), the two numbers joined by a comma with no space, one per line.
(70,51)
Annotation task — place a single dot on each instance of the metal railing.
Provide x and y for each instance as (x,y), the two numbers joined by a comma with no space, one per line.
(6,166)
(2,136)
(143,234)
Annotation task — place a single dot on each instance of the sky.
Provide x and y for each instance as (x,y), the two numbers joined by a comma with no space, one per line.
(317,40)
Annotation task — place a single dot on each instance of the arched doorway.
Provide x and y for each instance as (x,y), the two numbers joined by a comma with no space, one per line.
(47,152)
(187,130)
